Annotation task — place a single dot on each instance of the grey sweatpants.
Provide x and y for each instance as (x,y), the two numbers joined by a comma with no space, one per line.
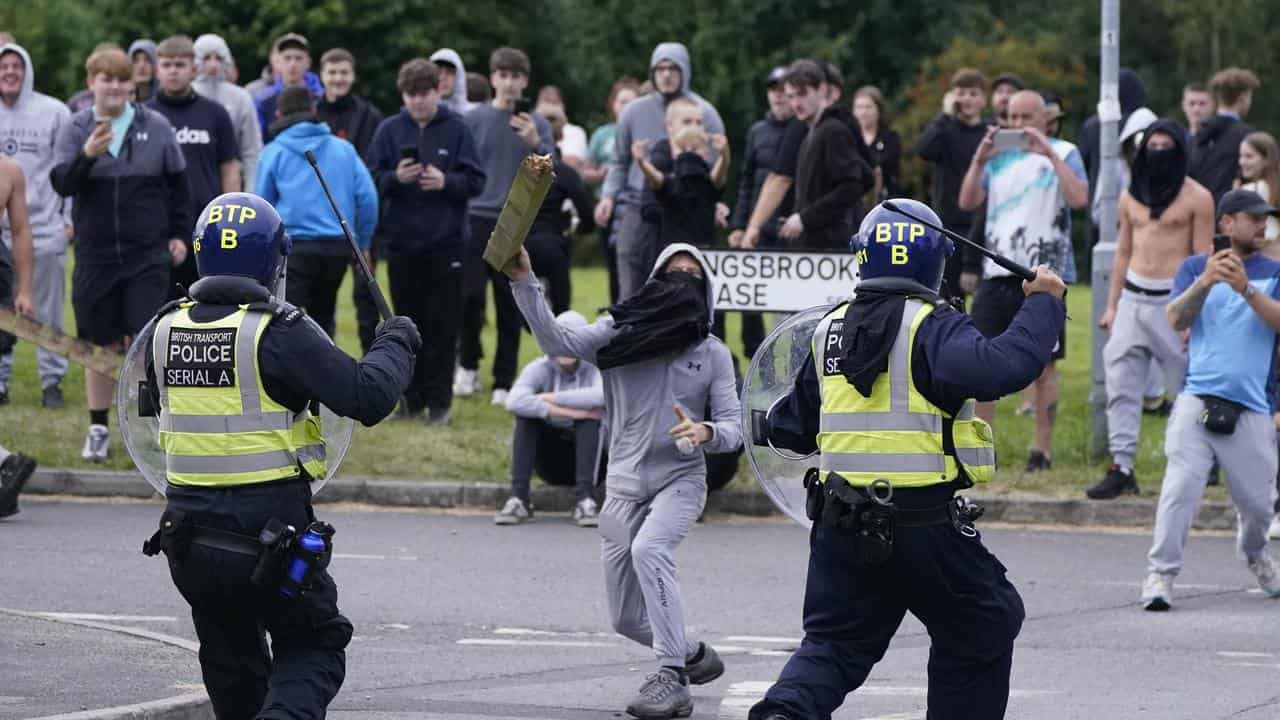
(49,293)
(1140,334)
(637,250)
(639,541)
(1248,461)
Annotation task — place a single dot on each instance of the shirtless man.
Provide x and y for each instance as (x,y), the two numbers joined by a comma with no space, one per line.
(14,468)
(1165,216)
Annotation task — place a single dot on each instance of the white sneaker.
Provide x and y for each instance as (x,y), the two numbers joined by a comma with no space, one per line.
(513,513)
(1265,570)
(499,397)
(1273,532)
(1157,592)
(465,382)
(586,514)
(97,444)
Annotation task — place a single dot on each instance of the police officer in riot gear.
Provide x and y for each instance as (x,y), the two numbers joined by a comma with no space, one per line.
(887,399)
(235,374)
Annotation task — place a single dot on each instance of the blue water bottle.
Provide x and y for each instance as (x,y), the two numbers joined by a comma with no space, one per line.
(310,554)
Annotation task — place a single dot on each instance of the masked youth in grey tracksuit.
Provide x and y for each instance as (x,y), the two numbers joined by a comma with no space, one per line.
(655,493)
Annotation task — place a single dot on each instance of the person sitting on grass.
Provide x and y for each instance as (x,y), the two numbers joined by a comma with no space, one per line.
(557,403)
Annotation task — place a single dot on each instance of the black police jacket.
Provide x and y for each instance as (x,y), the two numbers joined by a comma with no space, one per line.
(300,364)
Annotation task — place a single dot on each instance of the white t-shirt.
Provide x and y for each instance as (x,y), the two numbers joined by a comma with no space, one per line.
(1273,225)
(1028,220)
(573,142)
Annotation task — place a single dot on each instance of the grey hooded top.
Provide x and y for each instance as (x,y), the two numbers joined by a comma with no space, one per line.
(639,398)
(237,101)
(645,119)
(580,389)
(456,102)
(28,131)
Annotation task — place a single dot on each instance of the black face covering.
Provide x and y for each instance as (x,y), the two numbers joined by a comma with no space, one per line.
(668,314)
(1158,174)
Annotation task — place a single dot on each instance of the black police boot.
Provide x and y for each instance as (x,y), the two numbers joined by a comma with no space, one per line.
(13,476)
(1116,482)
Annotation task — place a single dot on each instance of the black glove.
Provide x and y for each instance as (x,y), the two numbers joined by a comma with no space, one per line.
(403,328)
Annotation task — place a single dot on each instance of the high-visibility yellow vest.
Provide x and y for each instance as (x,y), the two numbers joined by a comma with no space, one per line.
(218,425)
(895,434)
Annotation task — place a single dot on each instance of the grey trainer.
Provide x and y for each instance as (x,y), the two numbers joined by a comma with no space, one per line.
(706,668)
(663,695)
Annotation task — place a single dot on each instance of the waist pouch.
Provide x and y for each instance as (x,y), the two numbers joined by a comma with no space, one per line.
(1220,416)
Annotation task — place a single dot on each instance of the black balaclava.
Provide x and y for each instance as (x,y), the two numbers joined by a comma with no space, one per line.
(666,315)
(1158,174)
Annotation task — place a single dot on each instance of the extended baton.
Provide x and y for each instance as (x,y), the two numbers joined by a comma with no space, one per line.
(362,265)
(1021,271)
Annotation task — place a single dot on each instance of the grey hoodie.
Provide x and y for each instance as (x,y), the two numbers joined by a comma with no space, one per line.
(639,398)
(581,389)
(27,134)
(456,102)
(237,101)
(645,119)
(148,46)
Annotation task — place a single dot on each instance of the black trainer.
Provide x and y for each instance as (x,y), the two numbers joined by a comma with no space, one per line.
(1036,461)
(13,476)
(704,665)
(51,397)
(1116,482)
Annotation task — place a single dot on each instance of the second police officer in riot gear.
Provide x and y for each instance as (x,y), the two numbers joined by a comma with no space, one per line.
(887,398)
(236,374)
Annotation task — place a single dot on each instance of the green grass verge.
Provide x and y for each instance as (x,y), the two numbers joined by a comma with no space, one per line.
(476,446)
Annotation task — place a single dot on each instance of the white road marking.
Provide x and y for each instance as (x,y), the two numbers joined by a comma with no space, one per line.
(355,556)
(1177,585)
(106,618)
(764,639)
(533,643)
(1235,654)
(740,696)
(548,633)
(1275,666)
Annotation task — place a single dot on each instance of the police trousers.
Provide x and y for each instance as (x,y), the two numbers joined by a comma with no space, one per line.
(306,663)
(949,581)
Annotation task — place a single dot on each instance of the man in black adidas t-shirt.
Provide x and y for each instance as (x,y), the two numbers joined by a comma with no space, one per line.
(204,132)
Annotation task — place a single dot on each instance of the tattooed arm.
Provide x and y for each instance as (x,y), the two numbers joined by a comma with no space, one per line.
(1185,308)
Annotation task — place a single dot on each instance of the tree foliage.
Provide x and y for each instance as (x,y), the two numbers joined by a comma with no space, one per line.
(906,47)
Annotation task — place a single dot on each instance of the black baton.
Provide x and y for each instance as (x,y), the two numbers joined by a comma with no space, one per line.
(362,265)
(1017,269)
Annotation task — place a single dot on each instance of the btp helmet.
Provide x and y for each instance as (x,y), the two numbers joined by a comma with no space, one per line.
(241,234)
(892,245)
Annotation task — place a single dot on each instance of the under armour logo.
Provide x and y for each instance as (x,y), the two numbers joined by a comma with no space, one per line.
(697,367)
(140,136)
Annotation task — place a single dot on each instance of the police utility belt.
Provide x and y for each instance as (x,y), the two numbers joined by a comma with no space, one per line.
(874,518)
(286,558)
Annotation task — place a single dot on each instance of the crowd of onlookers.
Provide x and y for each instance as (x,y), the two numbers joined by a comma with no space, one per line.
(121,171)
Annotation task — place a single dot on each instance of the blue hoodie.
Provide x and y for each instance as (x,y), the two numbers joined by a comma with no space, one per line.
(285,179)
(419,222)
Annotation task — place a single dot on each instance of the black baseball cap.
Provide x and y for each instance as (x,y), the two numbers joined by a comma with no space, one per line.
(1009,78)
(777,76)
(1245,201)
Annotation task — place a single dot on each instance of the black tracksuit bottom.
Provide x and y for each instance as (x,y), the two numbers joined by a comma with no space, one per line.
(428,290)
